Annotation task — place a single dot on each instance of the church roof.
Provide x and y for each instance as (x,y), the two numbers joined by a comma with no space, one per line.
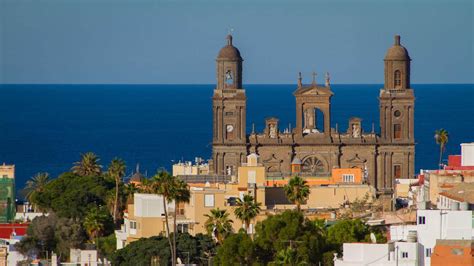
(397,51)
(229,52)
(137,177)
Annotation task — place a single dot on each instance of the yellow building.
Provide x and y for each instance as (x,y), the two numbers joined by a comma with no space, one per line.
(188,168)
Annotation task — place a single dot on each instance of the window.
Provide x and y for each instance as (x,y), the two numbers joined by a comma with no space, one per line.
(397,171)
(208,200)
(428,252)
(421,219)
(183,228)
(348,178)
(398,79)
(404,254)
(133,227)
(397,131)
(397,113)
(252,176)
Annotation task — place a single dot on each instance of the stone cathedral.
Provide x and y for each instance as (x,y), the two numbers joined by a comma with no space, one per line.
(313,144)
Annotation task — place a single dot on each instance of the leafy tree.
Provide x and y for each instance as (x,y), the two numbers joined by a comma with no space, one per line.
(297,191)
(130,189)
(51,233)
(181,194)
(351,230)
(164,184)
(246,210)
(116,170)
(107,245)
(96,223)
(71,196)
(287,256)
(88,165)
(237,249)
(290,228)
(218,224)
(441,137)
(36,185)
(142,251)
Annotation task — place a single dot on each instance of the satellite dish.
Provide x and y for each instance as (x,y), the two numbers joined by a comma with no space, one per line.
(373,238)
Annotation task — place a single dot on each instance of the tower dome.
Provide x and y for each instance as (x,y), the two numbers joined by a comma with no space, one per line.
(229,52)
(397,51)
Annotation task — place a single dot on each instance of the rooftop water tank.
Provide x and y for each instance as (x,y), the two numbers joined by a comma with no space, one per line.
(454,206)
(412,236)
(464,206)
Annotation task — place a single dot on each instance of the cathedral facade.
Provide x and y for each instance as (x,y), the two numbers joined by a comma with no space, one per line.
(313,145)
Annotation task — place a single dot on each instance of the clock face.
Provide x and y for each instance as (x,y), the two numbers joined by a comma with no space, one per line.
(230,128)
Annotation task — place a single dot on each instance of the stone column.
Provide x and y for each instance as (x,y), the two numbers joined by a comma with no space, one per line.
(299,115)
(380,171)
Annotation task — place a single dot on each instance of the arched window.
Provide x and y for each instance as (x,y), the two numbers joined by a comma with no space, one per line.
(398,79)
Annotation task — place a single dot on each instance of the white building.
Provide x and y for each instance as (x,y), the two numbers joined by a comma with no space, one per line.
(441,224)
(401,232)
(467,154)
(393,253)
(147,209)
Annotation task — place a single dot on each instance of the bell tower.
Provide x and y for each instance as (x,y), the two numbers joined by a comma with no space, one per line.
(229,112)
(396,158)
(397,98)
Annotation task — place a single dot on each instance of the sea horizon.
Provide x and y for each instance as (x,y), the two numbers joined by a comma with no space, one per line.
(45,127)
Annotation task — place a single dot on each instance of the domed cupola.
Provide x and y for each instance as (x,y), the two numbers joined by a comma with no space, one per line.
(229,67)
(397,67)
(229,52)
(397,51)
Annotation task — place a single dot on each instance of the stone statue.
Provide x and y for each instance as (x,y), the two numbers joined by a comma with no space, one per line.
(273,133)
(355,131)
(327,79)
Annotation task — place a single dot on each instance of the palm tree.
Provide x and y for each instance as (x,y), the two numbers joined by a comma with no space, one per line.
(297,191)
(287,256)
(131,189)
(164,184)
(94,223)
(36,185)
(88,165)
(181,194)
(218,224)
(116,171)
(441,137)
(246,210)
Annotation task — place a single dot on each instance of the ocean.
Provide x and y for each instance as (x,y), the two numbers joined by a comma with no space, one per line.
(45,128)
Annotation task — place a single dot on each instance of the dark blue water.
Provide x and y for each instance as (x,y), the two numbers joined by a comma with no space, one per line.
(44,128)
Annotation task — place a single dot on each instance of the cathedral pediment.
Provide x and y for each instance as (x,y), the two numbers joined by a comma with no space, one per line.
(313,90)
(272,159)
(356,159)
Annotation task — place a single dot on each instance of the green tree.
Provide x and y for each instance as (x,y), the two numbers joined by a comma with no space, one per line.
(289,228)
(180,194)
(351,230)
(164,184)
(116,170)
(36,185)
(96,223)
(246,210)
(297,191)
(441,137)
(88,165)
(287,256)
(131,189)
(142,251)
(71,196)
(237,249)
(218,224)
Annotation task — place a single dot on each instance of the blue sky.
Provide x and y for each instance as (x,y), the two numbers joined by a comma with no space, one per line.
(113,41)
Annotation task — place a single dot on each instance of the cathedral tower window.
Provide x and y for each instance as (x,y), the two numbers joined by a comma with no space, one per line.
(397,171)
(397,131)
(398,79)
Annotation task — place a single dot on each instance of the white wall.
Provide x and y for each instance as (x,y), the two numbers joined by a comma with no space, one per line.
(400,232)
(150,205)
(467,154)
(442,224)
(378,254)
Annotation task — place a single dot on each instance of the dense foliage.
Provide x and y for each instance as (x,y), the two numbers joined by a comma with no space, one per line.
(291,239)
(50,233)
(142,251)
